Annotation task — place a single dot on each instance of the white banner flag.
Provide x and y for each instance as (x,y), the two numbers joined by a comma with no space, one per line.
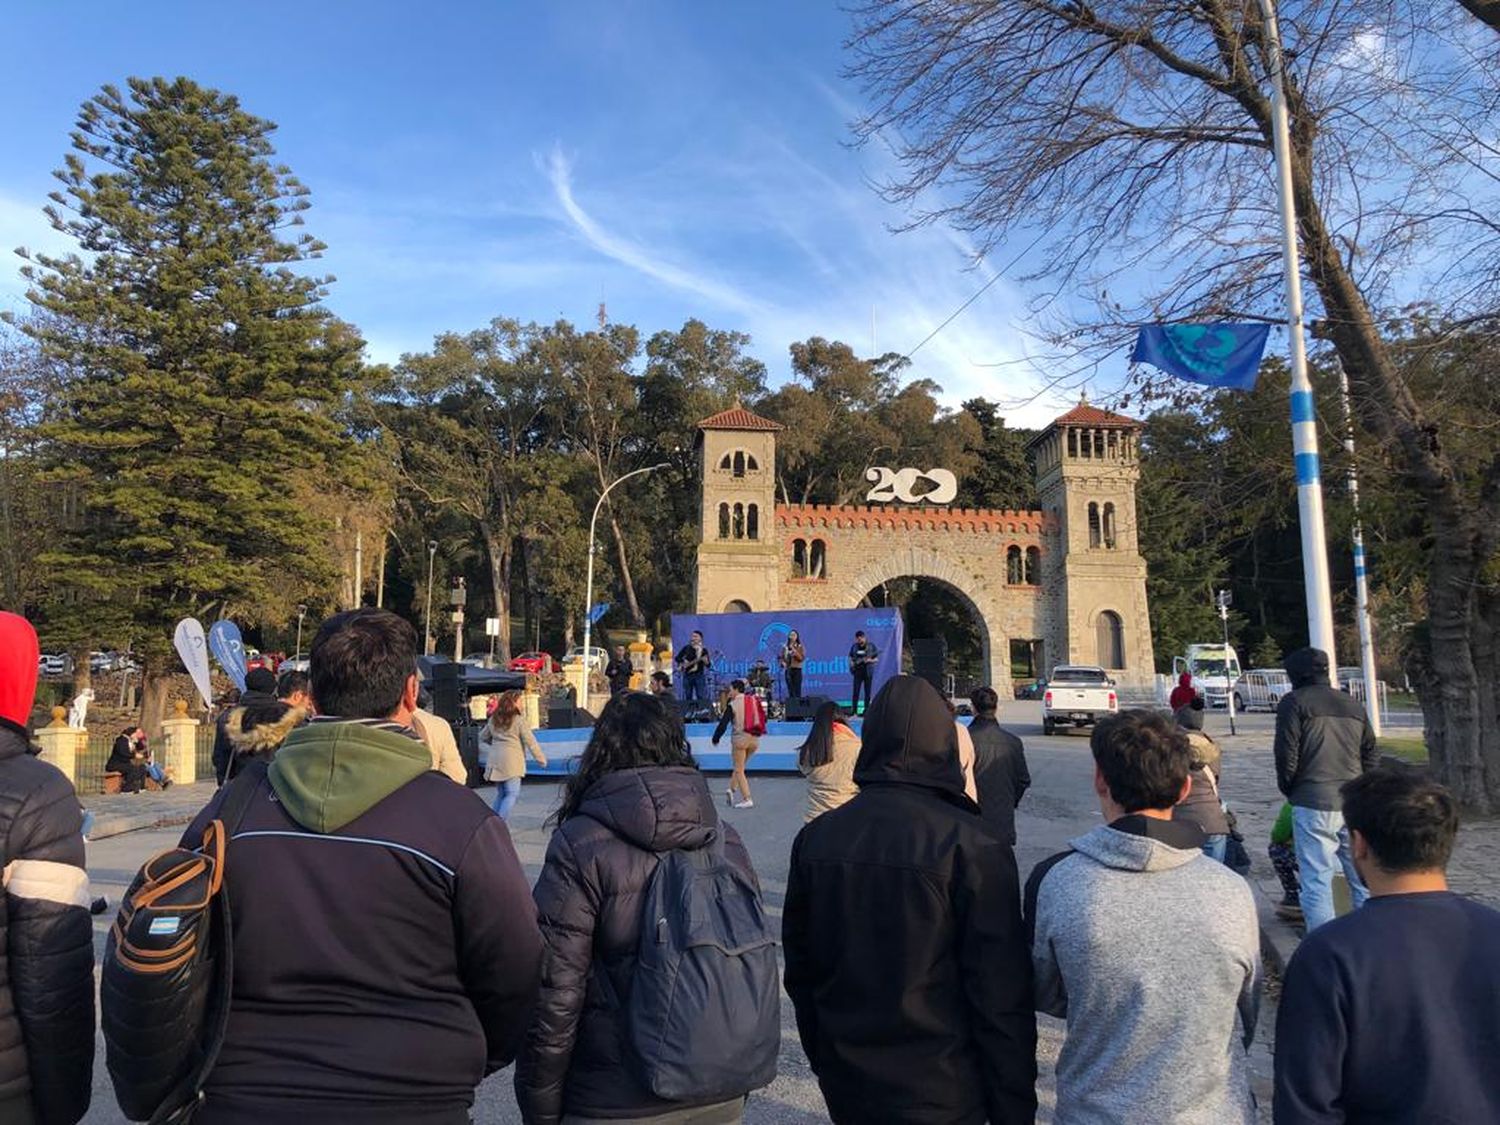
(192,646)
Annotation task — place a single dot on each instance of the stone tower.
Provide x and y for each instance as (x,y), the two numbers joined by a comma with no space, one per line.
(1088,464)
(739,564)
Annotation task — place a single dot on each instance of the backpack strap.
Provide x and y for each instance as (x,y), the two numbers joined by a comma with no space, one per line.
(182,1103)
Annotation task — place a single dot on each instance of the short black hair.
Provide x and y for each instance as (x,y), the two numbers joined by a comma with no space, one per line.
(360,662)
(1144,758)
(291,683)
(859,632)
(986,700)
(1409,820)
(660,678)
(739,685)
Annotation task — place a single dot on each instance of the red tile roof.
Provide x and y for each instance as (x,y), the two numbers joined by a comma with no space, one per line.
(738,418)
(1085,415)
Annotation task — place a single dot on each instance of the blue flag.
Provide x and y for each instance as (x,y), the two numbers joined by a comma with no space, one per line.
(597,612)
(1215,355)
(228,647)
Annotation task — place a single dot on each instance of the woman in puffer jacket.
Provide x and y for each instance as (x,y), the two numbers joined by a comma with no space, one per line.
(637,794)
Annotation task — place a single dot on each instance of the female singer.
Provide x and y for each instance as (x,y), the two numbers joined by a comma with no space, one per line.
(792,658)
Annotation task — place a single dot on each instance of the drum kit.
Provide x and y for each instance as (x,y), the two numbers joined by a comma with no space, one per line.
(763,684)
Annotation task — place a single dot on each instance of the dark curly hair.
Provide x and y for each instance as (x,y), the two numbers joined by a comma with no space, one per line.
(635,729)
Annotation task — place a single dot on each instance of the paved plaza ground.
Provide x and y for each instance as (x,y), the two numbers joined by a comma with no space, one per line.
(1059,806)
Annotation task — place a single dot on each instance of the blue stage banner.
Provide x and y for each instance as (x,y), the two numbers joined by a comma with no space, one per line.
(738,640)
(1214,355)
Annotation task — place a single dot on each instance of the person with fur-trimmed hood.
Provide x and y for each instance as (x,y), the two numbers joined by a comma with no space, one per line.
(46,935)
(256,729)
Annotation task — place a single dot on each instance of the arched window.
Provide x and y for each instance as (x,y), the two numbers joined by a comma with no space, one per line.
(1109,526)
(737,606)
(751,463)
(752,522)
(1033,566)
(1013,569)
(817,560)
(799,558)
(739,462)
(1094,531)
(739,521)
(724,462)
(1072,443)
(1110,635)
(723,521)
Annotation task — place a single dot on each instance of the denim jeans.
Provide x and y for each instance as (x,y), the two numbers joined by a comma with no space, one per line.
(1322,844)
(1215,845)
(506,793)
(695,688)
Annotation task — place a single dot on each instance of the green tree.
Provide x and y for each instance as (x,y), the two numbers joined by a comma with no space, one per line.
(1003,476)
(203,374)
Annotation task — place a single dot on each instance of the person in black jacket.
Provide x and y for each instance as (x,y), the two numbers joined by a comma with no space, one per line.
(1323,739)
(46,935)
(618,671)
(862,657)
(637,793)
(1000,772)
(127,757)
(386,950)
(906,958)
(260,692)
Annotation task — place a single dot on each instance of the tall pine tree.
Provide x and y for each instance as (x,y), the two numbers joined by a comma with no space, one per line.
(204,375)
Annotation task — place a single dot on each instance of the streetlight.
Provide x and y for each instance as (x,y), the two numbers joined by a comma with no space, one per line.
(588,595)
(301,613)
(427,616)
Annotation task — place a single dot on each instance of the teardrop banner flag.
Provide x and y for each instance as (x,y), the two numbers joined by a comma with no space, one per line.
(1213,355)
(192,646)
(228,647)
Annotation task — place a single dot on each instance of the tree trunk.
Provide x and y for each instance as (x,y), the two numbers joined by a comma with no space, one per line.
(637,618)
(153,700)
(83,674)
(497,546)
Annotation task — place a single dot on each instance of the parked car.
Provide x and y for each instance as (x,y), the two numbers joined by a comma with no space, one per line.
(598,657)
(1261,689)
(54,664)
(537,663)
(1077,695)
(102,662)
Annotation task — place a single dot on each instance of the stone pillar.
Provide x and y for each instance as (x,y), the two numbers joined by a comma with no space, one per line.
(61,744)
(180,733)
(531,705)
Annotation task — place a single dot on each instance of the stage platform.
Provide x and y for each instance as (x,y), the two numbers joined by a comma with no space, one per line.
(777,753)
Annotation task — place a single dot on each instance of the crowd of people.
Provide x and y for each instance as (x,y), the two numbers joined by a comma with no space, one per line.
(389,951)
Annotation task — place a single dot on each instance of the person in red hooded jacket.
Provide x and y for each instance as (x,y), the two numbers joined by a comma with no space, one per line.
(46,934)
(1184,693)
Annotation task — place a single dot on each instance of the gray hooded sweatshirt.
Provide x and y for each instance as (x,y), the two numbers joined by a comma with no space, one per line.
(1151,951)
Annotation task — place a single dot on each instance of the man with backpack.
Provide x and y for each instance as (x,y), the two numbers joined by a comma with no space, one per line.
(46,935)
(905,954)
(745,718)
(386,949)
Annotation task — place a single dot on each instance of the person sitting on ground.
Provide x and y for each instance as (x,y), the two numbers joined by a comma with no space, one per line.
(127,757)
(906,959)
(1135,919)
(503,744)
(386,949)
(1203,806)
(1000,772)
(260,691)
(1283,858)
(437,735)
(637,794)
(1392,1013)
(827,760)
(257,728)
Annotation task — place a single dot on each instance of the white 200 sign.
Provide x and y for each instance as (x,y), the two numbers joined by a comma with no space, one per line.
(901,484)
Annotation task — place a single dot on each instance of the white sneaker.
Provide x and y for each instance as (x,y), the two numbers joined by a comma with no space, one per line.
(747,803)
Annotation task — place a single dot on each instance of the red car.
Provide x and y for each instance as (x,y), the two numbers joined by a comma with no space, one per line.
(536,663)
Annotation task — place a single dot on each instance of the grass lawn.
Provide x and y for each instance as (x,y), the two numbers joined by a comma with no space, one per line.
(1412,749)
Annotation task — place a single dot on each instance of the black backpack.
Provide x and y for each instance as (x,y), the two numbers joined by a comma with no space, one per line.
(703,1021)
(168,971)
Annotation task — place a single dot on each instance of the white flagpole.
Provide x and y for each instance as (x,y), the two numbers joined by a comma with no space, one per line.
(1304,414)
(1361,586)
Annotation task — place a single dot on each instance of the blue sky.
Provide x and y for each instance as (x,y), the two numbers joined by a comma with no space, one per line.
(469,160)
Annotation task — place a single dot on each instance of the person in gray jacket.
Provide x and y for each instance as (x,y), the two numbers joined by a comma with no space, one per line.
(1323,739)
(1149,949)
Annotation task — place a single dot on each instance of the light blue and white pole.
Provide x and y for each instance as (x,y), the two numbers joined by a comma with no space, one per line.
(1361,586)
(1304,413)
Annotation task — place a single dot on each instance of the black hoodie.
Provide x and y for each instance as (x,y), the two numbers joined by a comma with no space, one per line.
(1323,736)
(906,958)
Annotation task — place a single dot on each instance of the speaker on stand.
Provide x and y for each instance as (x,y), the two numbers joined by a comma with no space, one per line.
(804,708)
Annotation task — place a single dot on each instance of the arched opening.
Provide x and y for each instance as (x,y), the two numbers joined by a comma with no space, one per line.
(1033,566)
(750,463)
(1094,528)
(739,521)
(817,560)
(752,522)
(1110,637)
(1109,526)
(799,558)
(723,521)
(947,641)
(737,606)
(739,462)
(725,462)
(1014,568)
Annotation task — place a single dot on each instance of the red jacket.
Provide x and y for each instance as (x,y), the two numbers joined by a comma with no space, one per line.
(1183,693)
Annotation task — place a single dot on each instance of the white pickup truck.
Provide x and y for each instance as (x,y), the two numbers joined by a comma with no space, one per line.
(1077,695)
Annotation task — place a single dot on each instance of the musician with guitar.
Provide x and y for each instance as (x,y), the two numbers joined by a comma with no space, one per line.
(694,660)
(862,657)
